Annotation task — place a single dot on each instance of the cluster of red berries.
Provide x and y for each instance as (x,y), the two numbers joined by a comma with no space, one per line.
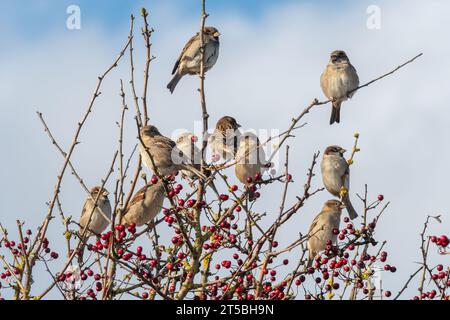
(442,241)
(335,262)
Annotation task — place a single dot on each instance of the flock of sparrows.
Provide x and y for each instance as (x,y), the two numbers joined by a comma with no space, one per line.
(165,157)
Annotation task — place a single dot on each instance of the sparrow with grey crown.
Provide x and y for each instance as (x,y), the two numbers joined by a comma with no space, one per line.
(338,82)
(321,230)
(99,218)
(95,217)
(186,143)
(145,205)
(167,158)
(336,175)
(224,141)
(189,61)
(251,160)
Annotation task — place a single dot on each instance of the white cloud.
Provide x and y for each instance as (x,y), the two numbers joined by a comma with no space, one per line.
(267,73)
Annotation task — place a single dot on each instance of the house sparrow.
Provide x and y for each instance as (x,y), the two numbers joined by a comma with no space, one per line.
(189,61)
(167,157)
(145,205)
(99,218)
(251,160)
(338,79)
(321,230)
(186,143)
(224,142)
(336,175)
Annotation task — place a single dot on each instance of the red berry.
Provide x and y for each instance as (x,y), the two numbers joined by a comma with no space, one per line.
(444,241)
(380,197)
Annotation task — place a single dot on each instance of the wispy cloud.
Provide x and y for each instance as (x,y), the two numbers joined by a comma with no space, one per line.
(268,71)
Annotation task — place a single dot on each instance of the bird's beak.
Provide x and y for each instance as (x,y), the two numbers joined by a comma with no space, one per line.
(342,206)
(343,151)
(238,125)
(217,34)
(106,193)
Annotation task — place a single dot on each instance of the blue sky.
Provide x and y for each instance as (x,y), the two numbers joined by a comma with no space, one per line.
(37,17)
(32,19)
(270,63)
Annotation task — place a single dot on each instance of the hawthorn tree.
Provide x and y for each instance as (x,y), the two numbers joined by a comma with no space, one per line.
(220,249)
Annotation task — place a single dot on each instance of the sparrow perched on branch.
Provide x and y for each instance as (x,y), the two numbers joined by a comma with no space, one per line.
(186,143)
(99,218)
(96,219)
(167,158)
(336,176)
(338,81)
(224,142)
(251,160)
(321,230)
(189,61)
(145,205)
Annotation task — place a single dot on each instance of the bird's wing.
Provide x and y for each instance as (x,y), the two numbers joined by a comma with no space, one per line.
(314,225)
(354,79)
(83,215)
(324,82)
(140,195)
(163,142)
(345,172)
(183,52)
(212,56)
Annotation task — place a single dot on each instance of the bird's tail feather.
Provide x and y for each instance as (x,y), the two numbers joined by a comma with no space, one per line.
(350,209)
(335,113)
(172,84)
(194,171)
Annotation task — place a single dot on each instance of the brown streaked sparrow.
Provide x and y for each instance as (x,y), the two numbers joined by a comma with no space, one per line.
(186,143)
(189,61)
(336,176)
(99,218)
(251,160)
(225,140)
(96,219)
(321,230)
(145,205)
(337,82)
(167,158)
